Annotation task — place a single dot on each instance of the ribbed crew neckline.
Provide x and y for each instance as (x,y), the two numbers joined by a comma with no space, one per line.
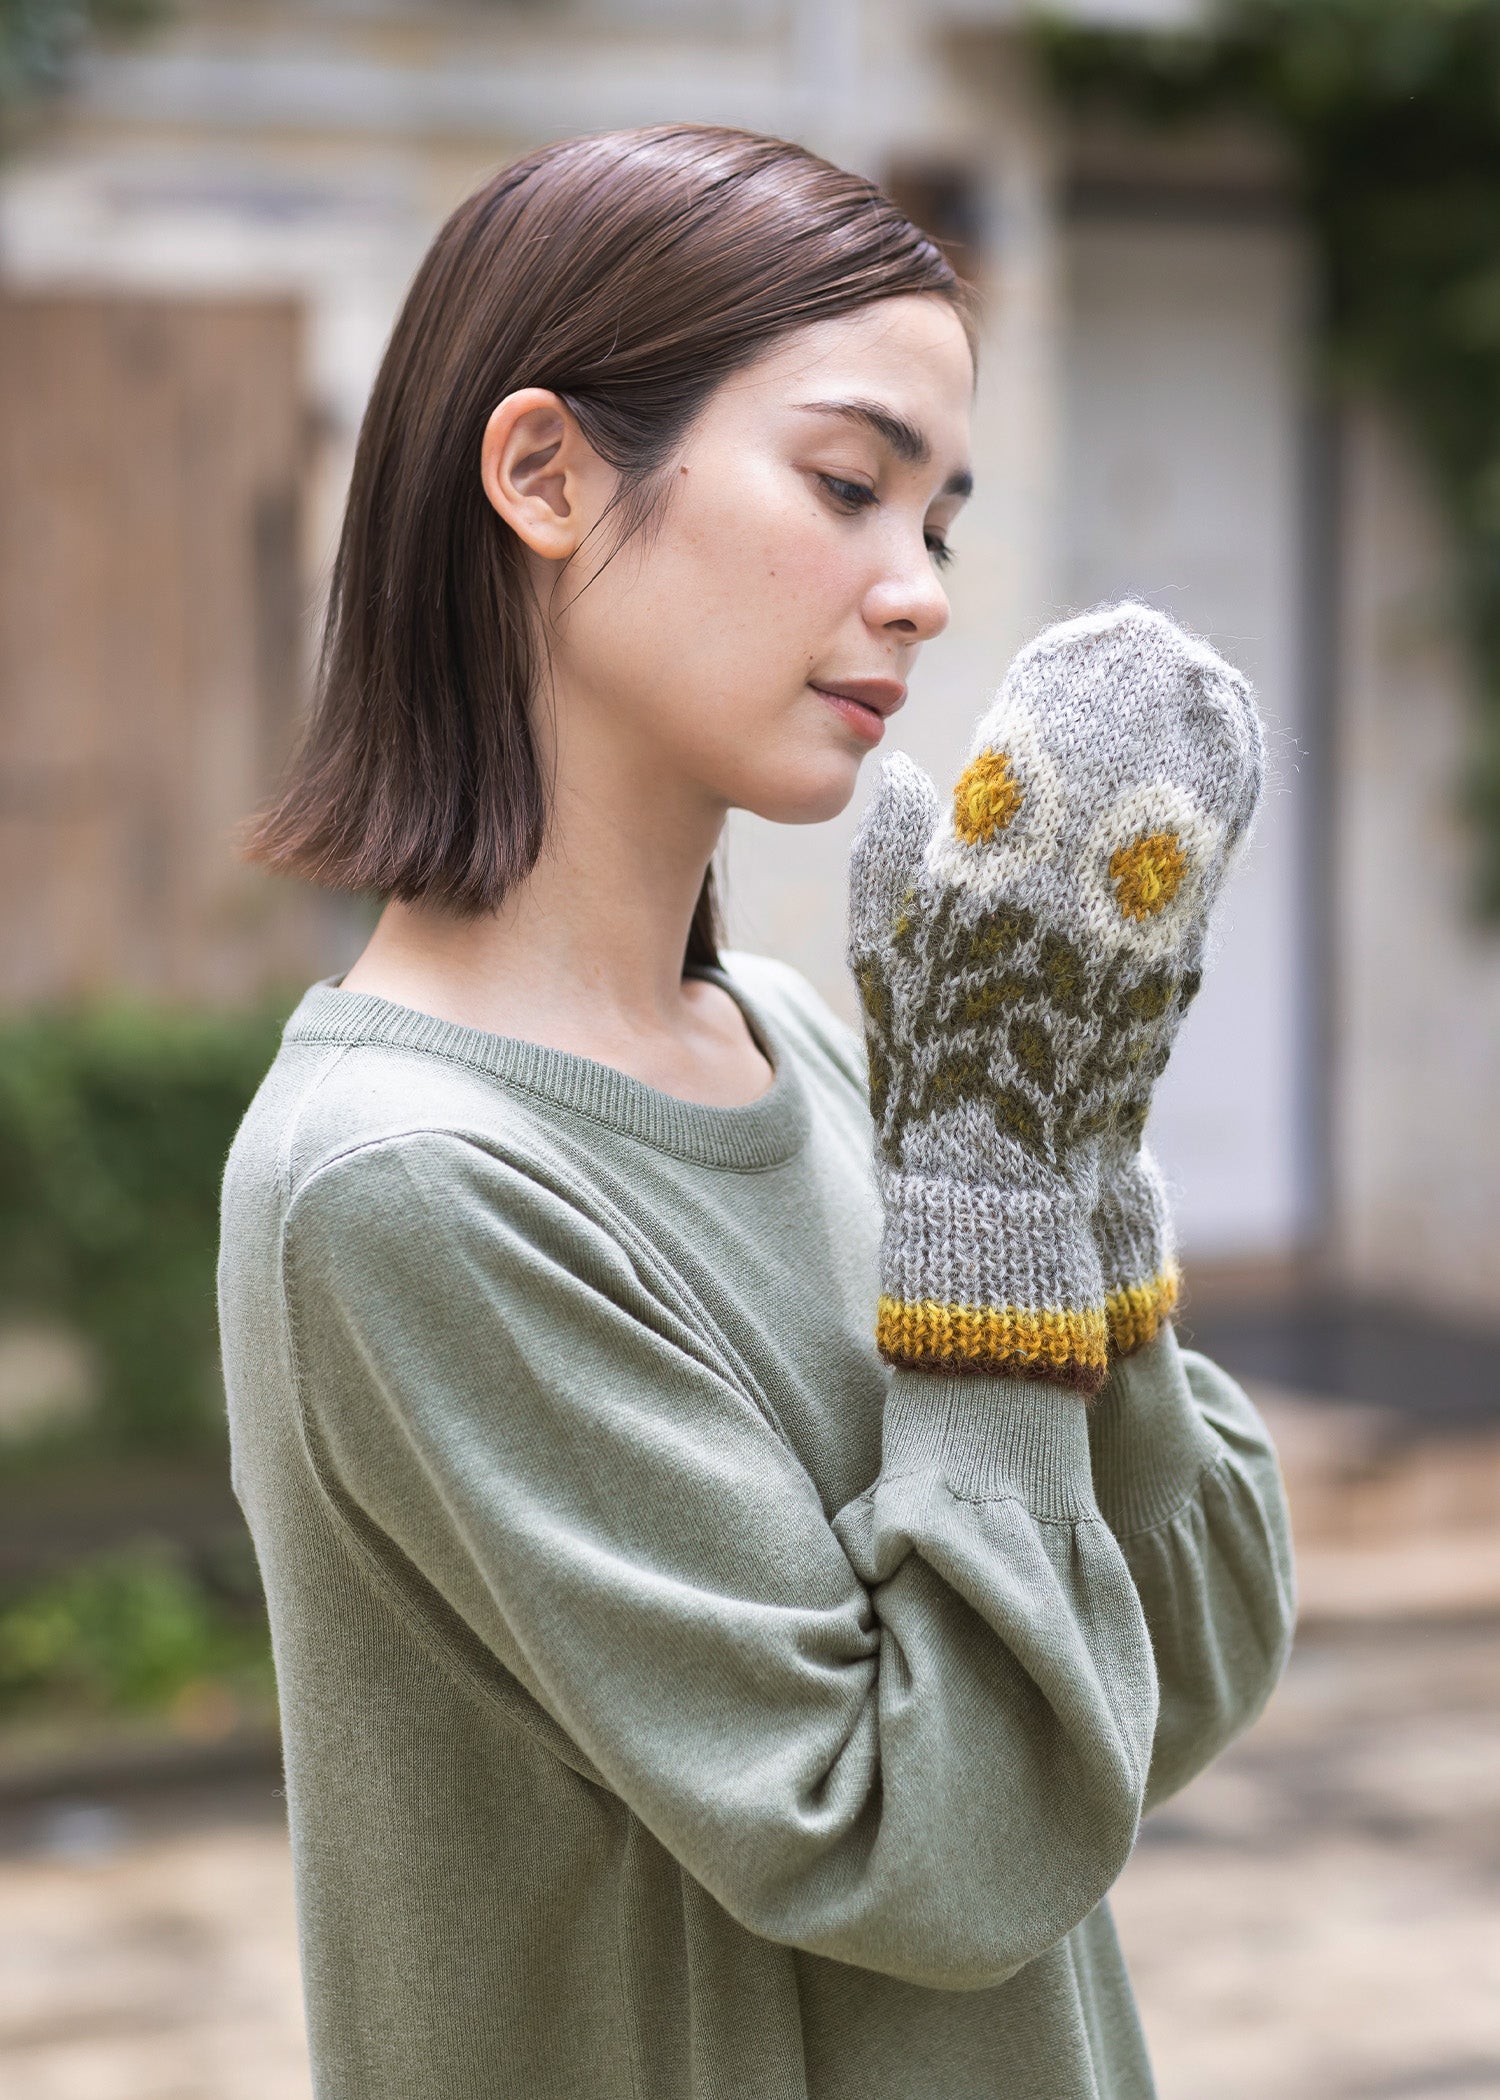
(760,1133)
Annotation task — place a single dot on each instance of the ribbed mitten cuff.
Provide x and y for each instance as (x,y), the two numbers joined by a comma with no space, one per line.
(1133,1233)
(975,1279)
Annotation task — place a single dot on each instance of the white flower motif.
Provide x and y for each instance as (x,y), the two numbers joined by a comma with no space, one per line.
(1029,805)
(1143,868)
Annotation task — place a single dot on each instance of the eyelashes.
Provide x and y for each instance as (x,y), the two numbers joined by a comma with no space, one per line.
(854,496)
(849,495)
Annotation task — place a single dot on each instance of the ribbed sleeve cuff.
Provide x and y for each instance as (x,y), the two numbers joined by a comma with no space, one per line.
(991,1438)
(1149,1443)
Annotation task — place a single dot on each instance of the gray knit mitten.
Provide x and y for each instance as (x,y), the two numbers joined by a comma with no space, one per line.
(1024,958)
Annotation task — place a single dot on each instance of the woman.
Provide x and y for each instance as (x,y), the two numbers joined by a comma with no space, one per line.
(697,1679)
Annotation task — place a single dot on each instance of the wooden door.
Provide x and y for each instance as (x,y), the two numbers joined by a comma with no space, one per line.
(152,643)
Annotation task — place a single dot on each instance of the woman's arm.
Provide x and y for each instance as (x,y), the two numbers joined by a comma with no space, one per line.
(1186,1477)
(1025,954)
(915,1737)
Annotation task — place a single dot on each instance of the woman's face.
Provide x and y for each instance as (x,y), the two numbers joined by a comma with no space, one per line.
(749,645)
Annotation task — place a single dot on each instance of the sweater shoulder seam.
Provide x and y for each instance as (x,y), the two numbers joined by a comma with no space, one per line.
(509,1083)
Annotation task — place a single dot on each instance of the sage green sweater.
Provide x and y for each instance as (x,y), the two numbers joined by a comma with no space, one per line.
(676,1701)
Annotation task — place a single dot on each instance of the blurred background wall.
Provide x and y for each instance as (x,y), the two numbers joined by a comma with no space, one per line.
(202,248)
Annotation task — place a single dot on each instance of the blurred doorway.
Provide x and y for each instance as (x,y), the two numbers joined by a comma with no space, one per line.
(1182,484)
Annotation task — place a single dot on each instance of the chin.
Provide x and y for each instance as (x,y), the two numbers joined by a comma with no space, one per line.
(811,792)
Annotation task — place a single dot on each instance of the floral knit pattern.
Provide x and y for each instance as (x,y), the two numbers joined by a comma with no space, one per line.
(1024,956)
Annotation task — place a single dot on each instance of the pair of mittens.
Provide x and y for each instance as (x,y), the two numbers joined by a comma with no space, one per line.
(1024,955)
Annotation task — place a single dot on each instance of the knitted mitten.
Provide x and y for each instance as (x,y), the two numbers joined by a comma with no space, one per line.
(1024,958)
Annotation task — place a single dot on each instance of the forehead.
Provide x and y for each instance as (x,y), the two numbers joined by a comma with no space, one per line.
(910,354)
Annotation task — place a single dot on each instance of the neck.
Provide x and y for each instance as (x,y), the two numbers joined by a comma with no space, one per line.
(592,943)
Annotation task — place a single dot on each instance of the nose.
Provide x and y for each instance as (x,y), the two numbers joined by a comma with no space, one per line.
(910,604)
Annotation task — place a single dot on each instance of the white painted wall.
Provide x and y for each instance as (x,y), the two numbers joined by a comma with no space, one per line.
(1180,486)
(1417,1070)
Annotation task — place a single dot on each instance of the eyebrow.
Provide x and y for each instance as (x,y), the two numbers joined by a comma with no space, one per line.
(903,437)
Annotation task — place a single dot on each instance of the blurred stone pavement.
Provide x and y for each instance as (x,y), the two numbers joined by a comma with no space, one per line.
(1316,1918)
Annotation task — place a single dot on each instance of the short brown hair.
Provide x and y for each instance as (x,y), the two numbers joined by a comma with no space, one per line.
(629,273)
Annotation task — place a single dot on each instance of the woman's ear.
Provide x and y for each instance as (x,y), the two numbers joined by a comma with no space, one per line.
(541,473)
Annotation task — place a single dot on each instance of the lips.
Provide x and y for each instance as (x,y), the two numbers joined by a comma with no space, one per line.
(861,703)
(882,695)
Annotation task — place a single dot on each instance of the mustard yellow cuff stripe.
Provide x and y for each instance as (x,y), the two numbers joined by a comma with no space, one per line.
(1136,1311)
(1052,1342)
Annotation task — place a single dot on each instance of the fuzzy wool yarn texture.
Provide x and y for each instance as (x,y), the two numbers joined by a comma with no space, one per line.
(1024,955)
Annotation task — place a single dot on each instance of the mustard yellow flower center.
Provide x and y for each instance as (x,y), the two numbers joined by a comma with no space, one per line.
(986,797)
(1147,874)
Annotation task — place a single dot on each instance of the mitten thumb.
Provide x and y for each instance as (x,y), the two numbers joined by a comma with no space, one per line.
(886,856)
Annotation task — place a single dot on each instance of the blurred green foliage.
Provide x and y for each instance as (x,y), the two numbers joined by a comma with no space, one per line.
(1392,111)
(114,1126)
(139,1630)
(39,39)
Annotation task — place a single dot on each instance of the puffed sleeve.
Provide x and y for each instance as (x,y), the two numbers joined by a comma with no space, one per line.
(1187,1478)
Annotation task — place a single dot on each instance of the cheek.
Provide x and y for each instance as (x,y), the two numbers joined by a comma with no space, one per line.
(757,582)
